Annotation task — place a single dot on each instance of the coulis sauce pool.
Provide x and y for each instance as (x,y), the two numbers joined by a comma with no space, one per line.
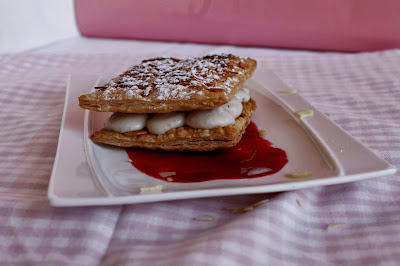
(252,157)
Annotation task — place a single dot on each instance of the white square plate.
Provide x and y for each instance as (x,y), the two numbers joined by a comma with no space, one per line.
(86,173)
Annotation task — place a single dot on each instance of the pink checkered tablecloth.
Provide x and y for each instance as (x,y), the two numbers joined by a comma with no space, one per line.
(351,224)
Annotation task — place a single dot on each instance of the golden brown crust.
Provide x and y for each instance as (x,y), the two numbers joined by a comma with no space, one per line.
(163,85)
(183,138)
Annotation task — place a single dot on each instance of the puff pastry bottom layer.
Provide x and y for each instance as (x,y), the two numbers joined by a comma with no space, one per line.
(182,138)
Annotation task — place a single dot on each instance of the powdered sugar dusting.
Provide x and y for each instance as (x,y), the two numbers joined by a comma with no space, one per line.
(170,78)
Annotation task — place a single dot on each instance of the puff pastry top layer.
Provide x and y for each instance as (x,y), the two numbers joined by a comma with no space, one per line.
(163,85)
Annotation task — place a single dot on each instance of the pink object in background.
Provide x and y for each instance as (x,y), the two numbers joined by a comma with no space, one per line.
(348,25)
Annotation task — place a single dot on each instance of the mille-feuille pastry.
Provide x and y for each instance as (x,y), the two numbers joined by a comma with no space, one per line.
(171,104)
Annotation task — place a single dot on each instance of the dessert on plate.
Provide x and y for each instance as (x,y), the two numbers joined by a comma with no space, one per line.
(197,104)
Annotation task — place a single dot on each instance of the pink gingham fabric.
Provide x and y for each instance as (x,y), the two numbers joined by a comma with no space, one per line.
(351,224)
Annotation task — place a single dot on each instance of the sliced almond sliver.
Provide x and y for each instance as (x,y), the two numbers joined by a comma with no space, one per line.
(301,203)
(151,189)
(291,91)
(336,226)
(261,202)
(166,174)
(242,209)
(303,114)
(262,133)
(299,175)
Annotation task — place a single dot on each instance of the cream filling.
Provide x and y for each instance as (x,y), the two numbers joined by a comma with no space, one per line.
(124,122)
(159,124)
